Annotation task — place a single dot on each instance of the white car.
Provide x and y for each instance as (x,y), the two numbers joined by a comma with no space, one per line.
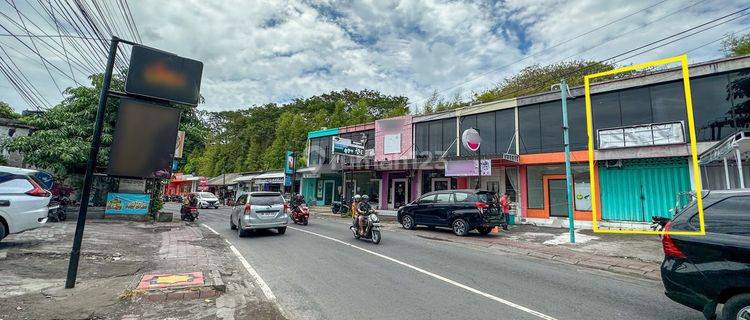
(207,200)
(23,202)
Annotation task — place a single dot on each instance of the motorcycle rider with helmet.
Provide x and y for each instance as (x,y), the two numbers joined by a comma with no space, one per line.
(355,209)
(363,209)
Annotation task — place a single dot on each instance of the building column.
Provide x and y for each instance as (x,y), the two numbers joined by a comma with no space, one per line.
(384,181)
(738,156)
(522,194)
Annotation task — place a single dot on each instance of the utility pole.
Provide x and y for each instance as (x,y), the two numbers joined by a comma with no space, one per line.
(568,173)
(479,163)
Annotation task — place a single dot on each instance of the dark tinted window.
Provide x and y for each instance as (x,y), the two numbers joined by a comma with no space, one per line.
(528,121)
(427,199)
(505,128)
(436,137)
(668,102)
(605,110)
(486,126)
(550,115)
(577,124)
(740,93)
(635,106)
(265,199)
(729,216)
(242,199)
(465,197)
(449,136)
(711,107)
(421,132)
(15,184)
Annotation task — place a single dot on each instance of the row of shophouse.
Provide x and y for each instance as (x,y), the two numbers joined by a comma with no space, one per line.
(641,141)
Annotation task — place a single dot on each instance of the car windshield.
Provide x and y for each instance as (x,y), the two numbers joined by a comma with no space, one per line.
(206,195)
(266,199)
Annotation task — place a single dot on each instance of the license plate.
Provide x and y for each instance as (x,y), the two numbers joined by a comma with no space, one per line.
(266,214)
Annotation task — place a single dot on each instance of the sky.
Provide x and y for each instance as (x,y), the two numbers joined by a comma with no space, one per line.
(256,52)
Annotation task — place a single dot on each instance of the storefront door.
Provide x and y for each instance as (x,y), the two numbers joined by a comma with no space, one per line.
(399,193)
(558,198)
(328,192)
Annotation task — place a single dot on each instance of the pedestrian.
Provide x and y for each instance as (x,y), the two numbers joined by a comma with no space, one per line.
(505,206)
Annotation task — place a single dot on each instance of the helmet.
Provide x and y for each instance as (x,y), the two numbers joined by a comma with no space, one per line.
(357,197)
(365,198)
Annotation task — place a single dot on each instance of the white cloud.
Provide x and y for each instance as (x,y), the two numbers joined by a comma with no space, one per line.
(255,52)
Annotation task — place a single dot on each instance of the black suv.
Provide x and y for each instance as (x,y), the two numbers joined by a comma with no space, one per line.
(460,210)
(703,271)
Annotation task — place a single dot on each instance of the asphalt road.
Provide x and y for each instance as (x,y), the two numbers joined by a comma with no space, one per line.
(320,271)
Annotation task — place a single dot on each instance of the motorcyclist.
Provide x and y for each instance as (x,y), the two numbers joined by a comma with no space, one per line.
(363,209)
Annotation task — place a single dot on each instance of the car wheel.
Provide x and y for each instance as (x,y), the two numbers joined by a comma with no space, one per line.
(2,230)
(281,230)
(231,225)
(737,308)
(240,231)
(460,227)
(484,230)
(375,236)
(407,222)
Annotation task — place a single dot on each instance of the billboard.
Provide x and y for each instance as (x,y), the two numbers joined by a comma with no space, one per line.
(144,140)
(289,162)
(347,147)
(467,168)
(163,75)
(127,203)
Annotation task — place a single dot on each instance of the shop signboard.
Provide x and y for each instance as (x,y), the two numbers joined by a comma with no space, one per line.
(467,168)
(471,139)
(132,185)
(289,162)
(582,197)
(392,144)
(203,184)
(163,75)
(127,203)
(347,147)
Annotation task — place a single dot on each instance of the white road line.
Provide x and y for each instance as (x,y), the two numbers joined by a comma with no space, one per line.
(436,276)
(263,286)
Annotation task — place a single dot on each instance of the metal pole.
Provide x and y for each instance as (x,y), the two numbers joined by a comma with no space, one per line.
(726,173)
(738,155)
(75,253)
(294,169)
(479,163)
(568,173)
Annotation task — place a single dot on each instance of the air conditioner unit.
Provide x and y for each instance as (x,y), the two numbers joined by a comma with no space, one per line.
(613,163)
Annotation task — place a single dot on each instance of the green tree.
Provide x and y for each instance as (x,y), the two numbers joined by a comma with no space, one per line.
(736,46)
(537,79)
(6,111)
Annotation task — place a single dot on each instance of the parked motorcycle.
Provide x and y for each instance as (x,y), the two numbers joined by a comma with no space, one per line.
(658,223)
(300,214)
(189,213)
(341,207)
(372,225)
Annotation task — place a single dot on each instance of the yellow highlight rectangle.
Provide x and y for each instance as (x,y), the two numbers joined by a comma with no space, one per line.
(682,59)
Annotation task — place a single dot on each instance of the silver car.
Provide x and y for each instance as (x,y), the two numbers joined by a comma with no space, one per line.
(259,210)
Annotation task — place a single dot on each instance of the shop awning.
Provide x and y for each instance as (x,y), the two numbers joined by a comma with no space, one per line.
(739,141)
(269,177)
(245,178)
(224,179)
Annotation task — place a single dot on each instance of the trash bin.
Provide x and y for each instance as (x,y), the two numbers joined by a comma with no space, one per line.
(511,219)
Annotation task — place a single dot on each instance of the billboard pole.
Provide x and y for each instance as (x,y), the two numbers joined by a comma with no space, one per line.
(96,140)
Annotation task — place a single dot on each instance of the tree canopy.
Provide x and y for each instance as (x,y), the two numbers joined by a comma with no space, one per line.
(736,46)
(536,79)
(6,111)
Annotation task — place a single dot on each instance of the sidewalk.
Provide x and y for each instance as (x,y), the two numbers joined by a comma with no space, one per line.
(636,255)
(128,270)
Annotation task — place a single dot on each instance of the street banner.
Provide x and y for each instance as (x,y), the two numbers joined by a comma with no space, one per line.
(289,162)
(144,140)
(467,168)
(180,145)
(163,75)
(347,147)
(127,203)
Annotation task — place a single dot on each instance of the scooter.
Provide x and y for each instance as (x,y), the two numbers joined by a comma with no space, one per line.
(300,214)
(372,227)
(189,213)
(341,207)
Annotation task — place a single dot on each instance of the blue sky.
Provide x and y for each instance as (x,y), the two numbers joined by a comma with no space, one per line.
(257,52)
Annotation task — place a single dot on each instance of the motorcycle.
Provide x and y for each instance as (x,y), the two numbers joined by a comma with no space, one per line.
(341,207)
(189,213)
(300,214)
(56,209)
(372,227)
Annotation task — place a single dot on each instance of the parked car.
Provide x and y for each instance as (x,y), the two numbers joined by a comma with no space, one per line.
(703,271)
(460,210)
(24,204)
(259,210)
(207,200)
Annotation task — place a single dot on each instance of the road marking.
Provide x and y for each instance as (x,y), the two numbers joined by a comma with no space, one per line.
(436,276)
(263,286)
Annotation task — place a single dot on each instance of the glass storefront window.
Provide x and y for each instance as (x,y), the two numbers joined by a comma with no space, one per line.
(668,102)
(529,130)
(486,126)
(421,133)
(740,93)
(505,130)
(535,180)
(449,136)
(550,119)
(712,108)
